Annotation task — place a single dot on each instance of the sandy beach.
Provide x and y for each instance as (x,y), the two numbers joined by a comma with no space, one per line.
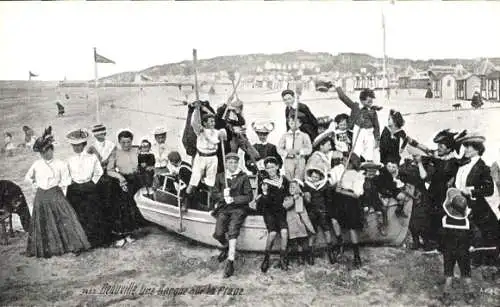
(165,269)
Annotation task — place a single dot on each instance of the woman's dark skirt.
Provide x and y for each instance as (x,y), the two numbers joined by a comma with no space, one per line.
(126,217)
(349,212)
(86,201)
(54,228)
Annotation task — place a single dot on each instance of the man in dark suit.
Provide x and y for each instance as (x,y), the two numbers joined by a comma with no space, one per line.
(309,124)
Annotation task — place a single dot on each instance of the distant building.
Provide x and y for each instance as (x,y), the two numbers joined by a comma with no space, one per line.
(443,85)
(493,85)
(467,85)
(420,80)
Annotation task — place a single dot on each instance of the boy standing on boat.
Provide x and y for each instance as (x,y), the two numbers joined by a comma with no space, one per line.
(205,162)
(294,146)
(233,194)
(363,122)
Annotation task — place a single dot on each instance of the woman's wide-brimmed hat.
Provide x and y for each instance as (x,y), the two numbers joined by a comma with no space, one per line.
(160,131)
(472,137)
(263,126)
(76,137)
(455,204)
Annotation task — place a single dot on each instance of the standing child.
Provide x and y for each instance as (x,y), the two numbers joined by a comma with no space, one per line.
(349,189)
(54,228)
(274,190)
(364,123)
(205,162)
(318,192)
(321,157)
(294,146)
(300,227)
(146,167)
(265,149)
(393,139)
(343,136)
(159,149)
(457,240)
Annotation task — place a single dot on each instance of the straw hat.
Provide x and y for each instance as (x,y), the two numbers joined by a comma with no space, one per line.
(455,204)
(76,137)
(160,131)
(472,137)
(322,137)
(98,129)
(263,127)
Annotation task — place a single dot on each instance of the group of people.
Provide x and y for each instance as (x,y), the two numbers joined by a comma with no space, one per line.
(322,177)
(330,179)
(87,200)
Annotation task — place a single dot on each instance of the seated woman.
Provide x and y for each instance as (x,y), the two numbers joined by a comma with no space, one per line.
(122,166)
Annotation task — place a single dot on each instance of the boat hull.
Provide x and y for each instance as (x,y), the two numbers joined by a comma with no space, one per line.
(200,225)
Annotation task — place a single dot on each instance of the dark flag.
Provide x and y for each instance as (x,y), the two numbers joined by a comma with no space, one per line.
(100,59)
(32,75)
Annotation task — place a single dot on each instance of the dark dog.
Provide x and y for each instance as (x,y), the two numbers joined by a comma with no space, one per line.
(12,200)
(457,106)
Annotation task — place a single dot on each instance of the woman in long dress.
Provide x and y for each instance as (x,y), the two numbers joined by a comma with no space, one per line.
(122,167)
(85,171)
(54,227)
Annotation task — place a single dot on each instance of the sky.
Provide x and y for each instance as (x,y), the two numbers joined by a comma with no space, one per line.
(56,39)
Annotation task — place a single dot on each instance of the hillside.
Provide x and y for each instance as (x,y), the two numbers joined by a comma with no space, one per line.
(247,64)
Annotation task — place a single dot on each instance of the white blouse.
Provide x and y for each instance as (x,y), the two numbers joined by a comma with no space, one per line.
(84,167)
(463,172)
(48,174)
(104,149)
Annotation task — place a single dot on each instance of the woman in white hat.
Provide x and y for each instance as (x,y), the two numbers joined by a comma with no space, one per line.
(475,181)
(54,228)
(85,171)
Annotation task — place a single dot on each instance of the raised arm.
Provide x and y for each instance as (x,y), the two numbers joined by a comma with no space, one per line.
(196,121)
(346,100)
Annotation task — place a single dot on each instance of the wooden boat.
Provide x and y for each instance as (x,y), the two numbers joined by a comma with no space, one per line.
(199,225)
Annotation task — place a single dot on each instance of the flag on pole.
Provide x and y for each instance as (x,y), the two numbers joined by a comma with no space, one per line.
(100,59)
(32,75)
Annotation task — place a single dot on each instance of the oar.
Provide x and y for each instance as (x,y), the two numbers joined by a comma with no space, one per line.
(197,93)
(181,228)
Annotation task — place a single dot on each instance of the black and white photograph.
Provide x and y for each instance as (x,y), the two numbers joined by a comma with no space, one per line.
(249,153)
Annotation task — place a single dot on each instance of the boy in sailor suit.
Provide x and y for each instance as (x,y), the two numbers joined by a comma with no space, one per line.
(457,239)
